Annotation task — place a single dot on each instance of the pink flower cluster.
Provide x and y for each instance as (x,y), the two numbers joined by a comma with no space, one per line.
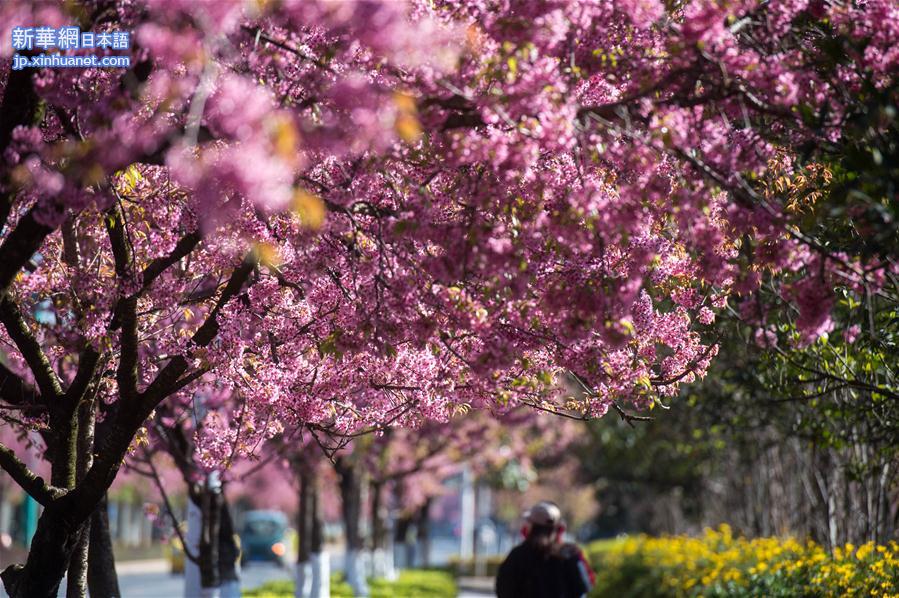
(453,204)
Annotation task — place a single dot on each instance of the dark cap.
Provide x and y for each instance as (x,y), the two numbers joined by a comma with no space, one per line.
(544,513)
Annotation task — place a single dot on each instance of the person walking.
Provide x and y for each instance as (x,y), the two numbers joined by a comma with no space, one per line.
(543,566)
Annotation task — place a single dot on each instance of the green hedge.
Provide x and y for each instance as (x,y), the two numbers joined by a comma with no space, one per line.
(413,583)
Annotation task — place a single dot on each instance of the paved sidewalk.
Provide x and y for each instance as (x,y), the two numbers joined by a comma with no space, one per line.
(143,566)
(475,587)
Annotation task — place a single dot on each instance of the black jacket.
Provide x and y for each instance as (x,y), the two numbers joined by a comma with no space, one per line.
(529,572)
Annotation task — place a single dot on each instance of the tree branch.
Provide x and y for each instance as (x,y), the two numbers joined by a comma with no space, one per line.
(37,361)
(630,418)
(188,379)
(82,500)
(185,245)
(168,508)
(14,391)
(19,107)
(88,359)
(168,378)
(154,269)
(126,374)
(30,482)
(19,246)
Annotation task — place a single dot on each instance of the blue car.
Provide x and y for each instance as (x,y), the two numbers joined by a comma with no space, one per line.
(265,537)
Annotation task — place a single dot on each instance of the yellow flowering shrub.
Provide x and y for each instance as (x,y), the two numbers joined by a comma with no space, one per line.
(718,563)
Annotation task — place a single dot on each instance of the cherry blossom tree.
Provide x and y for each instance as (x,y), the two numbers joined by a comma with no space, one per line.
(137,298)
(401,469)
(369,214)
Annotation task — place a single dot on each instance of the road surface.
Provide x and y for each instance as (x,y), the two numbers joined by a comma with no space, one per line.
(475,587)
(151,578)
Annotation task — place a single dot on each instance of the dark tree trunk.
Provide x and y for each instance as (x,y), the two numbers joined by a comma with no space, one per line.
(423,524)
(211,508)
(402,538)
(62,522)
(102,580)
(76,578)
(60,534)
(218,552)
(316,531)
(351,502)
(48,558)
(402,531)
(312,566)
(348,470)
(76,582)
(228,549)
(304,519)
(378,516)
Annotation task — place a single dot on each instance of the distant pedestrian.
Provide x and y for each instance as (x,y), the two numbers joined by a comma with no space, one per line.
(543,566)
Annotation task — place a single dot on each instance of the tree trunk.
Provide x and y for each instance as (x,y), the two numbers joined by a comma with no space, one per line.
(210,537)
(382,540)
(402,532)
(60,525)
(76,577)
(51,549)
(192,586)
(102,580)
(229,553)
(378,516)
(404,540)
(378,531)
(303,580)
(76,582)
(423,524)
(60,532)
(351,507)
(320,560)
(211,507)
